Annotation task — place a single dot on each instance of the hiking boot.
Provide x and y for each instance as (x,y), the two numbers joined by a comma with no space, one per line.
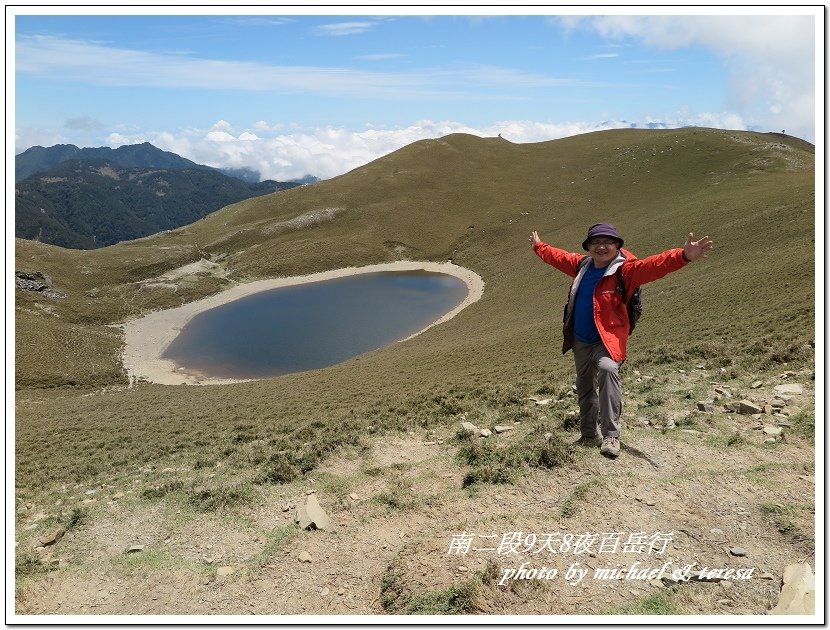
(592,441)
(610,447)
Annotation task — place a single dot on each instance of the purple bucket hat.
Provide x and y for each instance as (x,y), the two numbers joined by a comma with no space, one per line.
(602,229)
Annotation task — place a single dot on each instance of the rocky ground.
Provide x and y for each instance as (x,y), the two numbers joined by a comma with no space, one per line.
(704,483)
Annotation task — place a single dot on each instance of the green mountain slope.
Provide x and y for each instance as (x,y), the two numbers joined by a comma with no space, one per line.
(474,200)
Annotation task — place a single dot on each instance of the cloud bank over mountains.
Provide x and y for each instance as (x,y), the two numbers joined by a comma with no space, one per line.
(281,154)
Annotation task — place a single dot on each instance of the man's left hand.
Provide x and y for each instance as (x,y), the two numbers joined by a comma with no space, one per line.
(696,249)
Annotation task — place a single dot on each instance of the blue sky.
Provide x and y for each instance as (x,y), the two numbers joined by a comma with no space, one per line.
(289,94)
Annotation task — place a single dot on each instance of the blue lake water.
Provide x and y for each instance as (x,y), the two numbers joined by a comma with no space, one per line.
(314,325)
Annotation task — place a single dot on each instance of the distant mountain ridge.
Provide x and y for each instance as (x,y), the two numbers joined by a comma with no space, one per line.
(41,159)
(145,155)
(89,203)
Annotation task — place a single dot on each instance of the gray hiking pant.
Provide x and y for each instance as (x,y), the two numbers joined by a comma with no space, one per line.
(599,388)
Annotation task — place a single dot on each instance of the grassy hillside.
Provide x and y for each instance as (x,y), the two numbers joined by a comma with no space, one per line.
(471,199)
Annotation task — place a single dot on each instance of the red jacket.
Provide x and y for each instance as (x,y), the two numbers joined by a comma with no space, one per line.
(610,313)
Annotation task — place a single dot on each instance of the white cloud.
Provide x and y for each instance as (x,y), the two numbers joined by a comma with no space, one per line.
(344,28)
(219,136)
(118,139)
(262,125)
(222,125)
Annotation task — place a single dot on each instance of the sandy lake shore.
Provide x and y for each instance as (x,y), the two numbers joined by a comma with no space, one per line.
(147,337)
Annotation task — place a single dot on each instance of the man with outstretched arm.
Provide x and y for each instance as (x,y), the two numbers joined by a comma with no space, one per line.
(596,322)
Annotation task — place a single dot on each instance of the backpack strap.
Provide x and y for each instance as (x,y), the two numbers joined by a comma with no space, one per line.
(621,286)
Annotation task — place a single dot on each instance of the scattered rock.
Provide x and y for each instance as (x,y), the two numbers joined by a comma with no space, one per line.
(51,538)
(485,433)
(502,428)
(738,552)
(770,430)
(704,406)
(668,580)
(469,428)
(699,576)
(789,388)
(747,407)
(539,400)
(117,495)
(134,549)
(35,282)
(429,443)
(766,576)
(302,519)
(717,531)
(724,392)
(304,557)
(756,384)
(224,571)
(798,594)
(312,516)
(324,591)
